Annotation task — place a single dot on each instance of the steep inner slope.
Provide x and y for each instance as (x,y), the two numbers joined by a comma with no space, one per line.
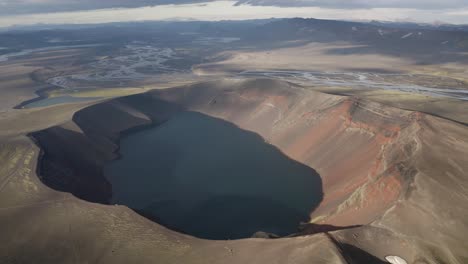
(367,155)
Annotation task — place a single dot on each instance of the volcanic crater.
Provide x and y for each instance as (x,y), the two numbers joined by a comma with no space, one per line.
(235,158)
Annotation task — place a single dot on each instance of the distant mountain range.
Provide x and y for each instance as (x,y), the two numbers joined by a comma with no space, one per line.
(438,25)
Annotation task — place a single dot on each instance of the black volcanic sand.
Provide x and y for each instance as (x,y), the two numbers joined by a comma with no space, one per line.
(208,178)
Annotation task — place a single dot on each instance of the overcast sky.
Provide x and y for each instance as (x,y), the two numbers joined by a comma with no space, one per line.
(21,12)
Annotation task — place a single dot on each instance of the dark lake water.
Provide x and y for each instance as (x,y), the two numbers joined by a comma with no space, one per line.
(208,178)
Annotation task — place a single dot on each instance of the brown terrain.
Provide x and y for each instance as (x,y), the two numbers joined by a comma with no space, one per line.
(391,179)
(389,165)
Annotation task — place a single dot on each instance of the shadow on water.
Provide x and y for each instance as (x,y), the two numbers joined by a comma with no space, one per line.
(208,178)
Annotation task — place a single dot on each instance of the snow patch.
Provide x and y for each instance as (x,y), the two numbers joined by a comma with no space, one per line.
(212,40)
(395,260)
(407,35)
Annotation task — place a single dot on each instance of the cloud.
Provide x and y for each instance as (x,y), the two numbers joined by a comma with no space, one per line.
(359,4)
(9,7)
(223,10)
